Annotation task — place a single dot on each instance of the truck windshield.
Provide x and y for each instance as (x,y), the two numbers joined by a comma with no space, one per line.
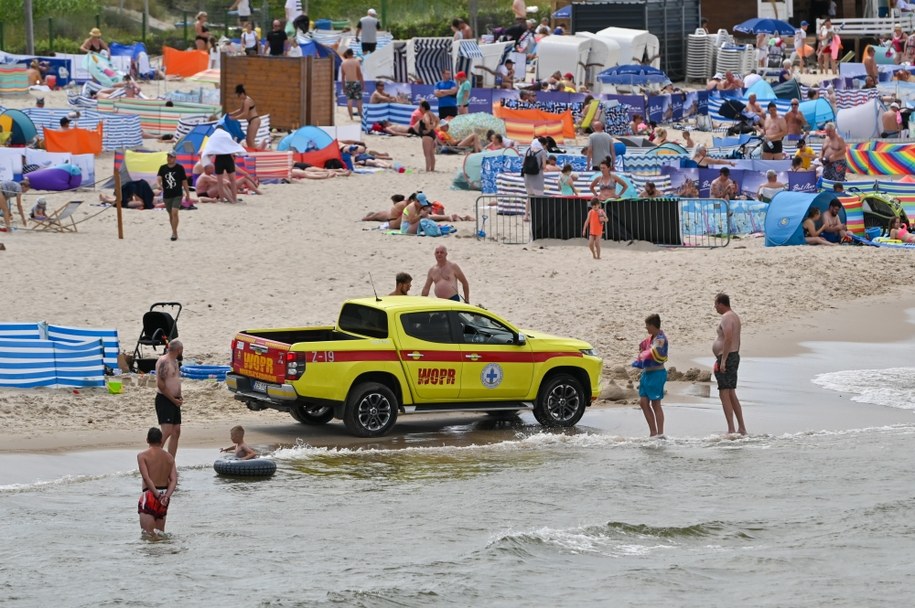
(364,320)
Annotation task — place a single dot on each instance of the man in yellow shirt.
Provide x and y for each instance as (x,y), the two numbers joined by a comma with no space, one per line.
(804,153)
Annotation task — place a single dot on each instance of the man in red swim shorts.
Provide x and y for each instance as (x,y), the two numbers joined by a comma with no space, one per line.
(160,476)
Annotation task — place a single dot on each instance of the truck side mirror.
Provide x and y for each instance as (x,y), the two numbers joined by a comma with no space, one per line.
(520,339)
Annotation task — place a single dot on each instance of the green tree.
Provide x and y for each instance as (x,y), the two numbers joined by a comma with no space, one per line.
(12,9)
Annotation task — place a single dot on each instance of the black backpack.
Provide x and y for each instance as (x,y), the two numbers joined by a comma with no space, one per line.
(531,165)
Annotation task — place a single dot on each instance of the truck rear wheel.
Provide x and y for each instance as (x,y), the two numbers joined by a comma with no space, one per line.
(312,415)
(371,410)
(561,401)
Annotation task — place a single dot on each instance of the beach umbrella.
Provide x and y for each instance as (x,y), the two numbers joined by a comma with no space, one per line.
(765,26)
(633,74)
(564,13)
(463,125)
(211,76)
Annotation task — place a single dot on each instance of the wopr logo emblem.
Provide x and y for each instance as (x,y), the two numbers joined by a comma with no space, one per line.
(491,376)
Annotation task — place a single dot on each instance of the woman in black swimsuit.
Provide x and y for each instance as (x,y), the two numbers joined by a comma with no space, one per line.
(200,27)
(426,130)
(94,43)
(247,112)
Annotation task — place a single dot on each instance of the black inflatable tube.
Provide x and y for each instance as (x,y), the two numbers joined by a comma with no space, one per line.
(256,467)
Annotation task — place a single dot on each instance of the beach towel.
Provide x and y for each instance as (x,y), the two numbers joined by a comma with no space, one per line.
(220,142)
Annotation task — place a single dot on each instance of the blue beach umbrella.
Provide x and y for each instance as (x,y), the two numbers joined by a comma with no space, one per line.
(633,74)
(564,13)
(765,26)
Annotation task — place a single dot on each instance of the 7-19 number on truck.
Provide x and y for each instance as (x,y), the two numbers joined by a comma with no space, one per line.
(322,356)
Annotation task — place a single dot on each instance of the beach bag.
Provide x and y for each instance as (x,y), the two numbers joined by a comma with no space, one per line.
(531,165)
(429,228)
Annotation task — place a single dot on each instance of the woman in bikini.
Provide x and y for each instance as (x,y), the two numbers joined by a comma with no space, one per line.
(247,112)
(94,43)
(202,38)
(426,127)
(604,185)
(811,232)
(900,232)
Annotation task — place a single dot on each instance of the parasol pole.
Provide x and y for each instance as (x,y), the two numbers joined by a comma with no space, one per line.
(117,201)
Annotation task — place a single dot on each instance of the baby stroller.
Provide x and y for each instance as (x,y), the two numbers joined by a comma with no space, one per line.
(733,109)
(159,328)
(776,55)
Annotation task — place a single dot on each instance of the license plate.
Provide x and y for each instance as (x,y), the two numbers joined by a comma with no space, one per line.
(260,387)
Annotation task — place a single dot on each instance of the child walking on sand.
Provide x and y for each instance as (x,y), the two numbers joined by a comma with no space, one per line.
(594,227)
(242,450)
(651,359)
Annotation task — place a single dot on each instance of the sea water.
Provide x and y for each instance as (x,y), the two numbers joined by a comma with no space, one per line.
(487,513)
(580,518)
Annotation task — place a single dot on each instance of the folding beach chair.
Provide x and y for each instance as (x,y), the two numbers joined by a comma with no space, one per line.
(57,221)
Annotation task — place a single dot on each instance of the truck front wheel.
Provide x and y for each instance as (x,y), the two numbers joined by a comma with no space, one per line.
(312,415)
(560,402)
(371,410)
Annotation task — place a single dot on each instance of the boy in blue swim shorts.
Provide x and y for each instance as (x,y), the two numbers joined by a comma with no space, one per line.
(651,360)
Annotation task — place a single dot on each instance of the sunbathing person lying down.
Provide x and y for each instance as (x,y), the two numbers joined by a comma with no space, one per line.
(394,215)
(306,171)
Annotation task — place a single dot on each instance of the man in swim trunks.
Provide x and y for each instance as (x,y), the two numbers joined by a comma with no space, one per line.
(833,155)
(834,230)
(775,128)
(168,395)
(446,275)
(726,349)
(353,82)
(160,476)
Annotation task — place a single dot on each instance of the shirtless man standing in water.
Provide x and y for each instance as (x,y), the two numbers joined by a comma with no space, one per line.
(160,476)
(168,395)
(726,349)
(446,275)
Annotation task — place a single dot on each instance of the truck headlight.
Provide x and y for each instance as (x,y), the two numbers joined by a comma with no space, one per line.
(589,352)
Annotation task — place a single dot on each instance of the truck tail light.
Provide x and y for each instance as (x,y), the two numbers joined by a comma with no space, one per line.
(234,346)
(295,365)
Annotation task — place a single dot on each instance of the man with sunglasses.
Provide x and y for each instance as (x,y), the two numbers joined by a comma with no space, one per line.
(797,124)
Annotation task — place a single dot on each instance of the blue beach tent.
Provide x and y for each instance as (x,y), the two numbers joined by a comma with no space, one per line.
(786,214)
(305,139)
(762,90)
(192,143)
(817,112)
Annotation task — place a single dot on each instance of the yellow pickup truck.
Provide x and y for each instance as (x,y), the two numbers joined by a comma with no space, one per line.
(401,354)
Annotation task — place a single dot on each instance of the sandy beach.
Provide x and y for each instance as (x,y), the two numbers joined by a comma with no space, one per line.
(290,257)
